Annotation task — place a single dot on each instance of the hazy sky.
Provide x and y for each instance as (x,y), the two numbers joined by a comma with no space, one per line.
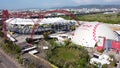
(19,4)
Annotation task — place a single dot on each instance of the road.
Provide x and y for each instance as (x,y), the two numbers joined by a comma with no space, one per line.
(7,62)
(118,66)
(22,38)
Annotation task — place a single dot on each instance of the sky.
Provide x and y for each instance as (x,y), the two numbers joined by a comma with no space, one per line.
(21,4)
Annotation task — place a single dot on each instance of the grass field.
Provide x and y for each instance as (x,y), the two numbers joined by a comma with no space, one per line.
(106,18)
(69,57)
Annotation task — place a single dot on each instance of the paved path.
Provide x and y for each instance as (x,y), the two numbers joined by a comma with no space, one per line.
(118,66)
(7,62)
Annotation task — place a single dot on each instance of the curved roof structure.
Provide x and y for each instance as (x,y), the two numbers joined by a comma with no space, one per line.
(87,34)
(31,21)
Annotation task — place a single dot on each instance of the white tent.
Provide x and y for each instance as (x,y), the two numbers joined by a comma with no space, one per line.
(87,34)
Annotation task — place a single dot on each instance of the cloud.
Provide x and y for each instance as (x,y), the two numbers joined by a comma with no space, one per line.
(112,0)
(94,1)
(51,4)
(82,1)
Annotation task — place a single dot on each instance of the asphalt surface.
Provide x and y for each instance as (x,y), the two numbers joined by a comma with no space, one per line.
(22,38)
(118,65)
(7,62)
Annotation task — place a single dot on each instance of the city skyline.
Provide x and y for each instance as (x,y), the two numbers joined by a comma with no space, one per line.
(21,4)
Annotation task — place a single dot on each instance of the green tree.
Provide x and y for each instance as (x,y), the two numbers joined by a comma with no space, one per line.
(69,57)
(46,35)
(10,47)
(1,34)
(29,40)
(105,66)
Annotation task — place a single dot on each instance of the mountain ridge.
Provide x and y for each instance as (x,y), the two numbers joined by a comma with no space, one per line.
(90,6)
